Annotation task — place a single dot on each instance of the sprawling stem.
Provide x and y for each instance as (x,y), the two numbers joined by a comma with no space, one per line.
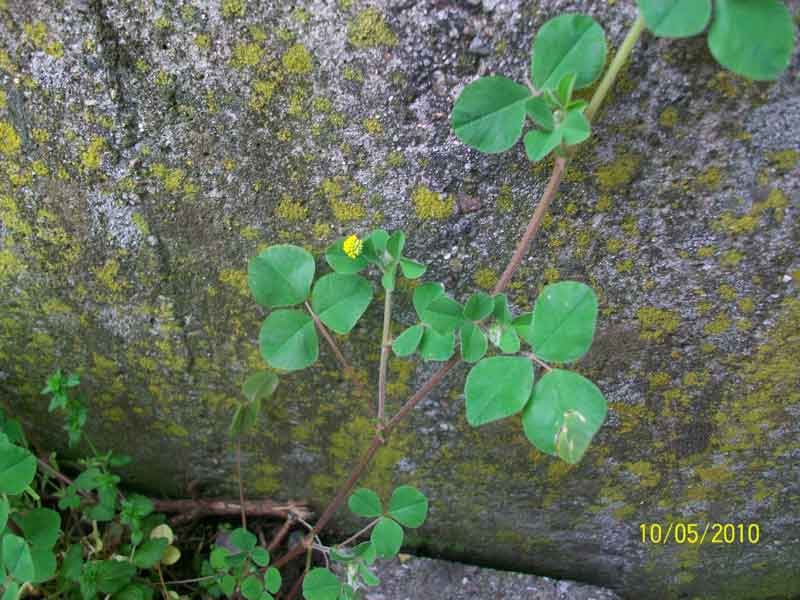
(241,484)
(385,345)
(522,248)
(346,368)
(620,58)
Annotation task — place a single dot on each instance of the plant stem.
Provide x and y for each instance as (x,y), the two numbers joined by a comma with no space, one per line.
(387,325)
(282,532)
(620,58)
(345,366)
(239,477)
(359,533)
(522,247)
(164,592)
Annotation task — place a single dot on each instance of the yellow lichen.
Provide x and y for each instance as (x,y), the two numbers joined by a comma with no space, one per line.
(485,278)
(369,30)
(202,41)
(9,140)
(668,118)
(711,178)
(784,161)
(233,8)
(290,210)
(108,276)
(261,94)
(719,325)
(297,59)
(706,251)
(617,174)
(373,126)
(614,246)
(654,323)
(236,279)
(92,155)
(731,258)
(171,179)
(351,74)
(726,292)
(246,55)
(432,205)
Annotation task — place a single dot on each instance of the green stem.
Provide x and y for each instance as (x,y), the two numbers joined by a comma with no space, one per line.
(385,345)
(620,58)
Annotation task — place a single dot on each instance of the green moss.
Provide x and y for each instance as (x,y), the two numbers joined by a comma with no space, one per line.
(9,140)
(92,155)
(162,23)
(551,274)
(322,105)
(625,266)
(334,191)
(10,264)
(290,210)
(163,78)
(719,325)
(297,59)
(432,205)
(202,41)
(40,168)
(233,8)
(669,117)
(654,323)
(711,178)
(39,36)
(352,74)
(604,203)
(784,161)
(40,136)
(108,275)
(706,251)
(246,55)
(3,101)
(485,278)
(369,30)
(618,173)
(614,246)
(505,199)
(648,477)
(746,305)
(236,279)
(395,159)
(141,224)
(658,379)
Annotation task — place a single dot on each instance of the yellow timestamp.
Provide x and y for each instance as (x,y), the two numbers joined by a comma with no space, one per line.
(699,533)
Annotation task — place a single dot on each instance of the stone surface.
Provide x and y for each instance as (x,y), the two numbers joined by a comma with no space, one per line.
(417,578)
(148,149)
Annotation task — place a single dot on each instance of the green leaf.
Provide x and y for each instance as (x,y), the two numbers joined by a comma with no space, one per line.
(252,588)
(408,506)
(395,244)
(435,346)
(4,510)
(17,467)
(11,591)
(497,387)
(134,591)
(44,564)
(242,539)
(72,563)
(341,262)
(579,105)
(473,342)
(568,44)
(227,584)
(444,314)
(752,38)
(479,306)
(273,580)
(509,341)
(575,128)
(288,340)
(260,385)
(375,246)
(564,413)
(564,319)
(260,556)
(113,575)
(412,269)
(387,536)
(388,278)
(366,552)
(365,503)
(17,558)
(489,113)
(675,18)
(501,312)
(90,479)
(321,584)
(219,559)
(540,112)
(340,300)
(407,342)
(524,325)
(41,526)
(565,87)
(539,144)
(281,276)
(367,576)
(425,294)
(149,553)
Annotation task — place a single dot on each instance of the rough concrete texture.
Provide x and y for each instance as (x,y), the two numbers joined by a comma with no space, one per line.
(417,578)
(149,148)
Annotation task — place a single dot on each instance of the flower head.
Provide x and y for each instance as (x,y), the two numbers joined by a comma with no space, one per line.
(352,246)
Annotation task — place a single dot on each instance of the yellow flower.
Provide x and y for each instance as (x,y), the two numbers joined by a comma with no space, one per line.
(352,246)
